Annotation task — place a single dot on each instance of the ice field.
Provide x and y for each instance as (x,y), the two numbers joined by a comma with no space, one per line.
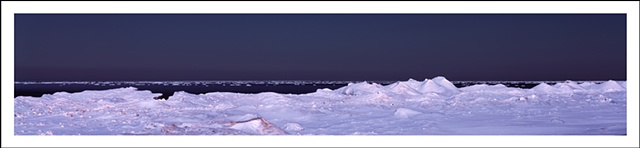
(430,107)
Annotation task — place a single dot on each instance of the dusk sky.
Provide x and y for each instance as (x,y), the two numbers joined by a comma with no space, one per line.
(92,47)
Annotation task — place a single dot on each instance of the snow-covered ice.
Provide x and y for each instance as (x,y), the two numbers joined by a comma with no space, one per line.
(430,107)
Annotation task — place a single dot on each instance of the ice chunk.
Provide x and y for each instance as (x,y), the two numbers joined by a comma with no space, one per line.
(257,126)
(323,90)
(294,127)
(405,113)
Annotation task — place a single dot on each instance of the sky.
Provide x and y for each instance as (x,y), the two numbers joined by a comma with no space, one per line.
(462,47)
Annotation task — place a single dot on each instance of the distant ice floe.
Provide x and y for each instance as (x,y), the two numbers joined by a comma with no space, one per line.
(430,107)
(192,83)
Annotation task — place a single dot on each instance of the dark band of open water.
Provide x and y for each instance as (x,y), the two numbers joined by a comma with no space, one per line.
(37,89)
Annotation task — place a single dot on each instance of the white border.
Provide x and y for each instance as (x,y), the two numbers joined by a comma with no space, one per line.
(630,8)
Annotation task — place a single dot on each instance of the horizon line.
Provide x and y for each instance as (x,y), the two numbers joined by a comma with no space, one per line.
(315,80)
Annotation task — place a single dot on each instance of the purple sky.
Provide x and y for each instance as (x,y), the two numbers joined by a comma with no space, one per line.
(70,47)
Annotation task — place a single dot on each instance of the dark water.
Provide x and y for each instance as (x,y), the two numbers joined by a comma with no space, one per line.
(37,89)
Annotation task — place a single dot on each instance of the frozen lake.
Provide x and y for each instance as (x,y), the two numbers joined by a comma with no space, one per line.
(429,107)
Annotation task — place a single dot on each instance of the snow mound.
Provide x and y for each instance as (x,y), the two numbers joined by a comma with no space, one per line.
(445,83)
(568,85)
(545,88)
(361,88)
(402,88)
(405,113)
(610,86)
(588,85)
(439,85)
(257,126)
(413,83)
